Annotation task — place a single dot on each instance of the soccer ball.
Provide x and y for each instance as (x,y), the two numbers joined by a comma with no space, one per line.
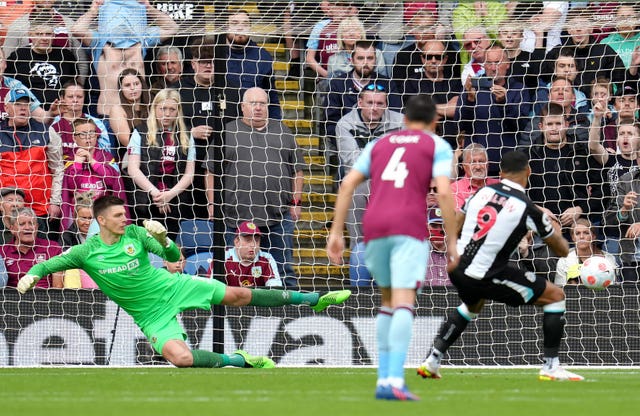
(597,273)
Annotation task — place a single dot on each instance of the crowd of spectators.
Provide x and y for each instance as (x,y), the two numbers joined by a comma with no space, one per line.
(114,99)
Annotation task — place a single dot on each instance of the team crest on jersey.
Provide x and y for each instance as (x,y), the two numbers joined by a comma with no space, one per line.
(256,271)
(130,249)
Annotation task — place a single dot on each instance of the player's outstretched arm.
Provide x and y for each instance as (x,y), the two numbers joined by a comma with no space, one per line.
(70,259)
(159,243)
(27,283)
(157,231)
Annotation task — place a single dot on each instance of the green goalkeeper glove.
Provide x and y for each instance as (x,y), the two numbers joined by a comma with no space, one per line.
(27,282)
(157,231)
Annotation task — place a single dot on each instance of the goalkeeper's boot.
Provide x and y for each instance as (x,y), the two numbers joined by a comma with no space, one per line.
(430,368)
(558,373)
(394,393)
(331,298)
(255,362)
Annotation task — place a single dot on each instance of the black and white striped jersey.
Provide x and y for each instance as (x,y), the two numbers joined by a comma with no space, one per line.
(497,217)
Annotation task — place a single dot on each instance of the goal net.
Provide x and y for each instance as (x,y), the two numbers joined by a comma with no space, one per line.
(207,114)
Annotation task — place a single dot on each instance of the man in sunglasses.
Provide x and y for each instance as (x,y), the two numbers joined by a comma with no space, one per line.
(433,80)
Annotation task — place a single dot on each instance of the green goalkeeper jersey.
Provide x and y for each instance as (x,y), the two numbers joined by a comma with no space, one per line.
(122,271)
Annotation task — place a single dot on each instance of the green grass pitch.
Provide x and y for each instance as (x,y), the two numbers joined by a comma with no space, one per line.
(308,391)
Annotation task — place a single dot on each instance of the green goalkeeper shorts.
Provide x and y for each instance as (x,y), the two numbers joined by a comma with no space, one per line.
(190,292)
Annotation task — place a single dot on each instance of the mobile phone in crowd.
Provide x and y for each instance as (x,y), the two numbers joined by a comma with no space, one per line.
(481,83)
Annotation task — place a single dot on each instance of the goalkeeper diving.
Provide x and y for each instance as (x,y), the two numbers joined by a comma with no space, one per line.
(117,259)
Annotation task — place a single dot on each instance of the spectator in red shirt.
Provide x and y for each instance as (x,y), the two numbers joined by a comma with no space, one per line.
(27,249)
(475,166)
(247,265)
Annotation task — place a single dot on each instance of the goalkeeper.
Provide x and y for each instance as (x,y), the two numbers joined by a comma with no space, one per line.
(117,260)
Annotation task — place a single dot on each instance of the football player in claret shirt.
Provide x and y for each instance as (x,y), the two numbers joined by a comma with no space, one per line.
(245,264)
(401,166)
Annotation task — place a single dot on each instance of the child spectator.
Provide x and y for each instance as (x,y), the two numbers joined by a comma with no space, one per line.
(91,170)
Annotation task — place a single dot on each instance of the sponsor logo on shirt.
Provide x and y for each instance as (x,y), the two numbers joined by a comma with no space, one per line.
(129,266)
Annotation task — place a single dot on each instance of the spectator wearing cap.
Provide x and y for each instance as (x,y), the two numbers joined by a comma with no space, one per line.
(475,166)
(492,113)
(121,41)
(246,264)
(26,249)
(8,84)
(30,160)
(10,198)
(621,104)
(437,267)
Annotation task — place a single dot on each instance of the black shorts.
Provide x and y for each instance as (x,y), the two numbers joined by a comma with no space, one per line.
(512,287)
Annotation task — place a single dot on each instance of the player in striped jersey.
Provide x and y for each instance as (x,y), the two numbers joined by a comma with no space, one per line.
(493,222)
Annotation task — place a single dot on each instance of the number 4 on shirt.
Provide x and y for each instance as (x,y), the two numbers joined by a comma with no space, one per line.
(396,170)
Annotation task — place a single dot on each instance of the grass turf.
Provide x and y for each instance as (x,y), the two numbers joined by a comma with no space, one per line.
(308,391)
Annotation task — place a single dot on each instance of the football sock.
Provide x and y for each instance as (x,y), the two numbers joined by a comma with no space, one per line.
(208,359)
(553,327)
(383,320)
(453,327)
(262,297)
(400,329)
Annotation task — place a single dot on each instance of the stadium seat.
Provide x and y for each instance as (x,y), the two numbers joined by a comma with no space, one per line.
(156,261)
(198,264)
(195,236)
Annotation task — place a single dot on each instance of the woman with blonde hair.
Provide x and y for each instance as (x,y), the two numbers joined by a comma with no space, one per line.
(583,236)
(350,31)
(162,163)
